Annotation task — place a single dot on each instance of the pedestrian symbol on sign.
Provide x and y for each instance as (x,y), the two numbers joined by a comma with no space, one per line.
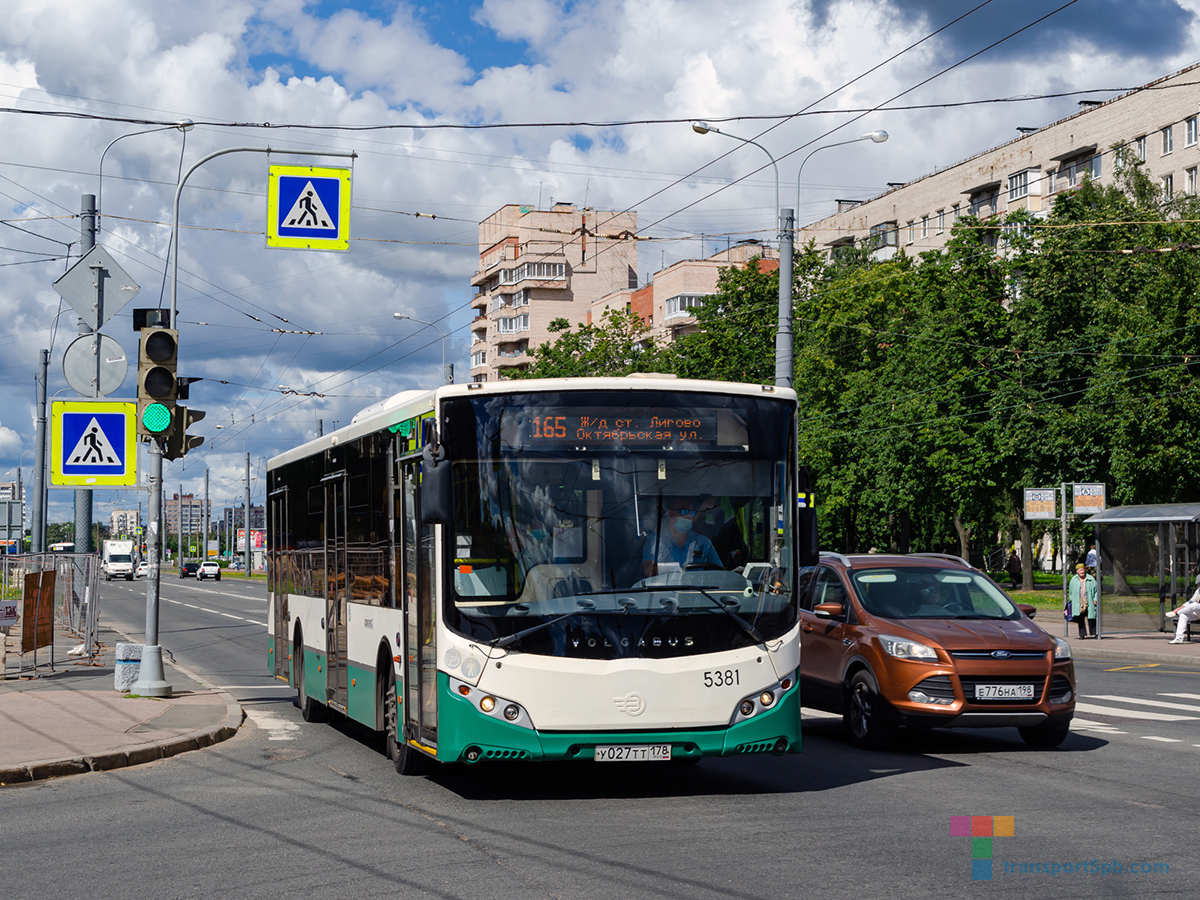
(308,211)
(94,448)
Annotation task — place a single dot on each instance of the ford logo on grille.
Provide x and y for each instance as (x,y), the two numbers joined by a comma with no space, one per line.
(1001,654)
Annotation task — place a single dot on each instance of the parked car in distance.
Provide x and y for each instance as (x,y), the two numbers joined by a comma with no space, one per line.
(188,570)
(142,570)
(927,641)
(209,569)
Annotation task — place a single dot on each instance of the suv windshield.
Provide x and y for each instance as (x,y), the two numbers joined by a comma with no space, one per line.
(933,592)
(611,524)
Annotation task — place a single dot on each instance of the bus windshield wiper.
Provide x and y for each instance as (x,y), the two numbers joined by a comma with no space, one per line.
(511,639)
(699,589)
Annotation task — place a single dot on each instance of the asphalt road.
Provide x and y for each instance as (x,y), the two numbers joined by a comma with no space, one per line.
(296,809)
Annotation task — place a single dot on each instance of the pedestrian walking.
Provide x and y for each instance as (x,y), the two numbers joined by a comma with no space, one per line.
(1013,567)
(1189,612)
(1082,596)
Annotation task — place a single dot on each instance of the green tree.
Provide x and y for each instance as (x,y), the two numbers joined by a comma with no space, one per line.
(617,346)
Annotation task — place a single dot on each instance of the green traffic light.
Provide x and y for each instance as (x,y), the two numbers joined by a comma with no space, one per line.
(156,418)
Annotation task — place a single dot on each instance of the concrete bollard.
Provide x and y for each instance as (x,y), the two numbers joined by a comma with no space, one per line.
(128,667)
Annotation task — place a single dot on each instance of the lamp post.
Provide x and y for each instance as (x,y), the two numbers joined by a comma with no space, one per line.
(184,125)
(783,333)
(877,136)
(447,370)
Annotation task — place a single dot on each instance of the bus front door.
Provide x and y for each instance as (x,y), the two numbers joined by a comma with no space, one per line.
(280,575)
(336,589)
(420,612)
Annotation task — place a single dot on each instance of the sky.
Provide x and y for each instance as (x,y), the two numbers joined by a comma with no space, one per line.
(455,109)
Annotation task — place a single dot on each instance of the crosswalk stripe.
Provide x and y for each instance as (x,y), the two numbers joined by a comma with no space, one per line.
(1158,703)
(1118,713)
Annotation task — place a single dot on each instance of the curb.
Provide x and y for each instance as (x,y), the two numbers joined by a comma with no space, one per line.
(1122,656)
(134,756)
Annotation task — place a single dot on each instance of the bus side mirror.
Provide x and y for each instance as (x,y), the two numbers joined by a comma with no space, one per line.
(436,480)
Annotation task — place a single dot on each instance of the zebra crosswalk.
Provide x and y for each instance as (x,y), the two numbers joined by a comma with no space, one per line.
(1128,711)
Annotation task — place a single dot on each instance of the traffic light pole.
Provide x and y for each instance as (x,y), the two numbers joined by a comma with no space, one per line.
(152,680)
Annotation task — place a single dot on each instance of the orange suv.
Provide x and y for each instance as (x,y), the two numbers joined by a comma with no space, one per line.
(927,641)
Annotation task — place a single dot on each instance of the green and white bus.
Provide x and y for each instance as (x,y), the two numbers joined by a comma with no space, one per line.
(504,571)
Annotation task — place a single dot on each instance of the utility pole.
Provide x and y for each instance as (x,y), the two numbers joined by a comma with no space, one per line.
(783,336)
(179,509)
(207,517)
(38,545)
(247,499)
(83,498)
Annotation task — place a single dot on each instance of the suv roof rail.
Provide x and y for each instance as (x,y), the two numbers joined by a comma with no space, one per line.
(837,557)
(949,556)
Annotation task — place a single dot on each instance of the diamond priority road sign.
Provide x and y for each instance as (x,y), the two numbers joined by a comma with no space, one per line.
(308,208)
(93,443)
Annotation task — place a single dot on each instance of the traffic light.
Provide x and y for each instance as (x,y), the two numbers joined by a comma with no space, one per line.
(179,442)
(158,388)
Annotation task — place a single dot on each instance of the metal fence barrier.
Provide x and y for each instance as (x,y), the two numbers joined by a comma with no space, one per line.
(76,593)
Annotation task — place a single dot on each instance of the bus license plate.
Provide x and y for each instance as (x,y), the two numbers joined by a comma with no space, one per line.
(1004,692)
(633,753)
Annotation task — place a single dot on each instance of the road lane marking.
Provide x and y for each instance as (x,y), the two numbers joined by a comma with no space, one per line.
(1150,737)
(277,729)
(1157,703)
(1181,696)
(1088,725)
(232,616)
(1131,713)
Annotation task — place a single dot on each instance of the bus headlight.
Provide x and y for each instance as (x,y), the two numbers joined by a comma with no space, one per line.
(512,712)
(763,700)
(487,704)
(508,711)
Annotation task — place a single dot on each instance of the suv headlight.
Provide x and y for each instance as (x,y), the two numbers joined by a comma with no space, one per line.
(1062,650)
(902,648)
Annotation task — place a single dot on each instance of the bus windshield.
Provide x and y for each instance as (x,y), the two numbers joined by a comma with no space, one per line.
(611,524)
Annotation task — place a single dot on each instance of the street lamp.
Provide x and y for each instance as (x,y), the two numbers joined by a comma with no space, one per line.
(783,334)
(877,136)
(447,370)
(184,125)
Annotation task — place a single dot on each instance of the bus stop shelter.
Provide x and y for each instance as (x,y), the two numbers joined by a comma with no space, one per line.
(1148,555)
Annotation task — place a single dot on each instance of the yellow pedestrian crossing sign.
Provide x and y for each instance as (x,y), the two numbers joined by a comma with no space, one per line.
(93,443)
(308,208)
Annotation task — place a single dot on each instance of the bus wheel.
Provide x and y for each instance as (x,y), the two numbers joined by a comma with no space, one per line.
(310,709)
(407,760)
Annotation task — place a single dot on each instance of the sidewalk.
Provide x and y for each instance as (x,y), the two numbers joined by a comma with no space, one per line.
(72,720)
(1142,647)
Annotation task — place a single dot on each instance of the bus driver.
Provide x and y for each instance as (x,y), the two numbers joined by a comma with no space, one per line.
(676,546)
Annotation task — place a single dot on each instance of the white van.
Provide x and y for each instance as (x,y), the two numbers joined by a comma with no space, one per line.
(117,560)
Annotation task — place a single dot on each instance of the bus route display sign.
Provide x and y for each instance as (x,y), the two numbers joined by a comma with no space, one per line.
(572,427)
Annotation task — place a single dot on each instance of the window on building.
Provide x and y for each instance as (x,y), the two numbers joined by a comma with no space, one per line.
(1018,186)
(513,324)
(540,271)
(1052,181)
(1139,149)
(912,231)
(521,297)
(1191,180)
(1168,187)
(924,226)
(478,358)
(682,304)
(956,211)
(885,234)
(1190,130)
(1168,141)
(941,226)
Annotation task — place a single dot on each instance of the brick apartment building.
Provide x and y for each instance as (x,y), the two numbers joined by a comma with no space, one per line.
(539,265)
(1157,123)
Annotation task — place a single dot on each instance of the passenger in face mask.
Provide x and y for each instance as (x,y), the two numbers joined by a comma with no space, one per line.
(676,546)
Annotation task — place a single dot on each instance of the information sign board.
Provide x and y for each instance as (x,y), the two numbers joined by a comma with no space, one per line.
(1040,503)
(1089,499)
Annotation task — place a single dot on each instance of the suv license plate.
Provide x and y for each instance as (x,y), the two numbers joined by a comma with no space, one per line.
(633,753)
(1004,692)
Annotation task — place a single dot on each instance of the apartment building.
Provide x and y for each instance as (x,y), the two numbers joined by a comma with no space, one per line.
(1157,123)
(667,304)
(189,509)
(536,266)
(124,523)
